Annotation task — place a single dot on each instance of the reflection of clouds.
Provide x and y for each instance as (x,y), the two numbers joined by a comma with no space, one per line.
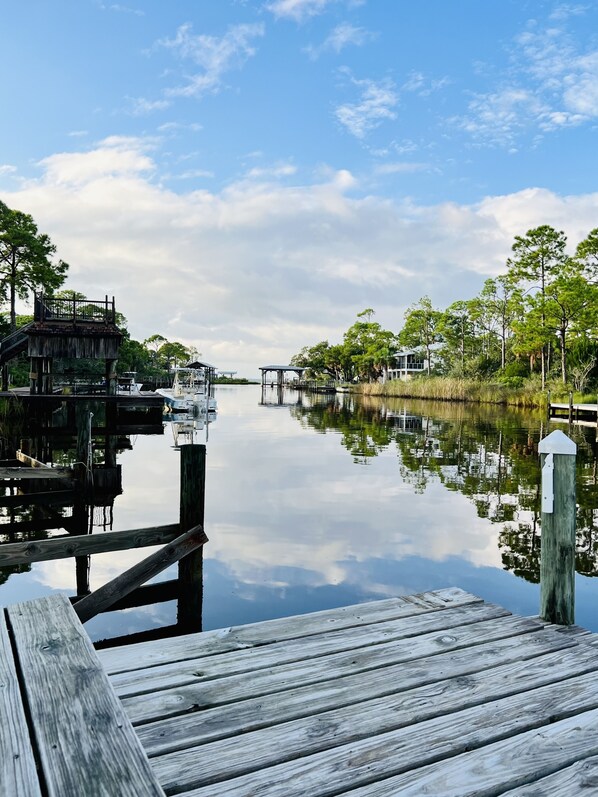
(60,573)
(286,507)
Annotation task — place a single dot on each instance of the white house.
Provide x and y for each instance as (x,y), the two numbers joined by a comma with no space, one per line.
(407,363)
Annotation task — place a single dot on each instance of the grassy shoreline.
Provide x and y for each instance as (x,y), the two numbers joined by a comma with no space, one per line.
(444,388)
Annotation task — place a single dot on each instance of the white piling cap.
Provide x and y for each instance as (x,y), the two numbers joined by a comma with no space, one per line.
(557,442)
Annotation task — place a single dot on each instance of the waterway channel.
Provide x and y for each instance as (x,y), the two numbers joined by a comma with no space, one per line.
(318,501)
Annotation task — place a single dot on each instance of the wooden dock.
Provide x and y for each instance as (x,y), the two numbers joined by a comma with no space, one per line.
(437,694)
(584,414)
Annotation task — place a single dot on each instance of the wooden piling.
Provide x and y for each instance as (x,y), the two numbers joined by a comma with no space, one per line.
(122,585)
(557,561)
(192,506)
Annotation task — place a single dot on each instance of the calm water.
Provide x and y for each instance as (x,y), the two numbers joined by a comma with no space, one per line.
(332,501)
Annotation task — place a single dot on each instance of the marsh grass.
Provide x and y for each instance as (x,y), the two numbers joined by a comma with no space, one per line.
(444,388)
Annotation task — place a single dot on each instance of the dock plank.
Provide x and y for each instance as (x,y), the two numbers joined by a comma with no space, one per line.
(312,647)
(323,714)
(223,640)
(486,772)
(575,781)
(279,678)
(18,774)
(86,744)
(247,752)
(375,760)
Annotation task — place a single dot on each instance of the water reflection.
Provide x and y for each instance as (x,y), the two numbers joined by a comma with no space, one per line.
(330,500)
(491,457)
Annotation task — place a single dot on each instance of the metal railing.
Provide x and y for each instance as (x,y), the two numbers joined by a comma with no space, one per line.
(49,308)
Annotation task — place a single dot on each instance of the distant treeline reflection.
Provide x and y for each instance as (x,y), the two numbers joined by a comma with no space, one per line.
(489,455)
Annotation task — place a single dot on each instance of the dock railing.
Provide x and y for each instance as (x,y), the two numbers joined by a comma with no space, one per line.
(50,308)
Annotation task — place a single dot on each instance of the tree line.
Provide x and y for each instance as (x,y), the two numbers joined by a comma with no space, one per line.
(537,320)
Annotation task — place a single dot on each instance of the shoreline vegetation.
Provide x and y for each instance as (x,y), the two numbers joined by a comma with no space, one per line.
(475,391)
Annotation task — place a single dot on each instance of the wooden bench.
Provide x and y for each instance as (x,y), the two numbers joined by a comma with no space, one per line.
(64,731)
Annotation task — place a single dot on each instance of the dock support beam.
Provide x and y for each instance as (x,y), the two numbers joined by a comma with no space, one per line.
(557,560)
(192,508)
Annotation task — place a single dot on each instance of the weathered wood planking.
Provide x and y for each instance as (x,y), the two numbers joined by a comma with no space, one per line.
(308,648)
(386,692)
(465,701)
(18,775)
(223,640)
(416,661)
(376,766)
(85,743)
(578,780)
(65,546)
(347,747)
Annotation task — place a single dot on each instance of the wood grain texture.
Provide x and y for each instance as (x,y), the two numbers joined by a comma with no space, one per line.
(325,714)
(65,546)
(216,691)
(86,744)
(346,747)
(222,640)
(18,774)
(578,780)
(496,739)
(442,630)
(108,594)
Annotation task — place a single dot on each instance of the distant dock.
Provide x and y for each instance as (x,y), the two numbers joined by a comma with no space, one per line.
(584,414)
(438,693)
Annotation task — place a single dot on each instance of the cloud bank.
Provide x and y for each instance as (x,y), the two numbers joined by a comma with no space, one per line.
(274,261)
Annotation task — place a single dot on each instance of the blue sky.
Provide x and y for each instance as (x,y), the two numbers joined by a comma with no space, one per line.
(247,175)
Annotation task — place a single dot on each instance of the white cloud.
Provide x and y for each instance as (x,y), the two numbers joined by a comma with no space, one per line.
(215,56)
(121,9)
(499,118)
(374,106)
(116,156)
(340,37)
(6,168)
(256,271)
(401,167)
(141,106)
(550,84)
(418,83)
(298,10)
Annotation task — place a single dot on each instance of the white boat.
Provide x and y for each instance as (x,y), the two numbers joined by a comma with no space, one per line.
(189,392)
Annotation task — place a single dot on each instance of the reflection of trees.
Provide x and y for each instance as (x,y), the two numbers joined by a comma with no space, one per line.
(362,431)
(487,455)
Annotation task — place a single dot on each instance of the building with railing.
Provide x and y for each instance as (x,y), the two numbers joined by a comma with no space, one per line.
(406,364)
(64,328)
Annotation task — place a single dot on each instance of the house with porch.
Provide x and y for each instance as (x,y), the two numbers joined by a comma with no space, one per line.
(406,364)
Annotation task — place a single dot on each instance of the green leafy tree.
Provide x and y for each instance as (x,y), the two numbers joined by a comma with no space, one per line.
(173,354)
(422,328)
(571,305)
(457,329)
(26,260)
(369,347)
(537,259)
(498,305)
(586,255)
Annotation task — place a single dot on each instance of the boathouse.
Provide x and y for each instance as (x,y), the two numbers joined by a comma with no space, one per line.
(64,328)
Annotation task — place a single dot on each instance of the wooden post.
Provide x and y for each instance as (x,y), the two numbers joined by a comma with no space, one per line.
(122,585)
(557,560)
(570,406)
(192,505)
